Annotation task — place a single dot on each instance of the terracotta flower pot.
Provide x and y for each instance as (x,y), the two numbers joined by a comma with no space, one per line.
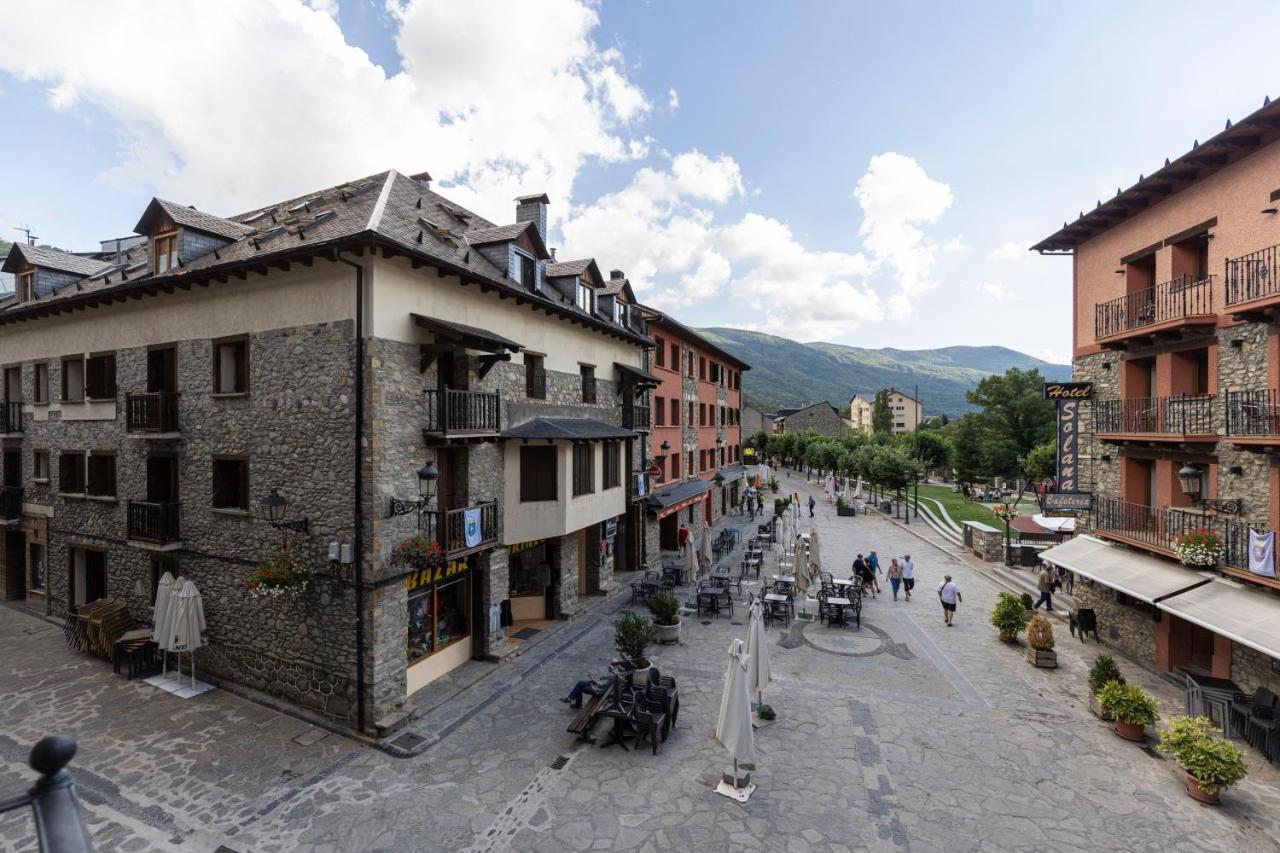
(1198,793)
(1130,731)
(1008,638)
(1095,707)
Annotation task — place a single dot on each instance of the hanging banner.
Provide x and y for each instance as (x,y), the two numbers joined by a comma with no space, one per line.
(1068,453)
(1262,551)
(471,526)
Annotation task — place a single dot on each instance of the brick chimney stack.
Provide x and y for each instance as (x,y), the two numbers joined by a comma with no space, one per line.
(533,208)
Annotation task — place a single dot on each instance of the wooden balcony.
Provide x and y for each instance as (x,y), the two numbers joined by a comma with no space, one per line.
(449,528)
(462,415)
(152,413)
(11,418)
(1181,419)
(1250,288)
(11,504)
(1168,310)
(155,523)
(1253,418)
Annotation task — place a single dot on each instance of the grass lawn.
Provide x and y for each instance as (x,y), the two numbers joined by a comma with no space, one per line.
(961,510)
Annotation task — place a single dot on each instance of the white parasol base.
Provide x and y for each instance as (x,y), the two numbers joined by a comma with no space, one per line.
(740,795)
(179,685)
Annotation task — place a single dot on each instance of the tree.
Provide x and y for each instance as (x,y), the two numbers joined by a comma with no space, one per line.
(1014,414)
(881,416)
(893,469)
(760,441)
(969,458)
(932,449)
(1042,462)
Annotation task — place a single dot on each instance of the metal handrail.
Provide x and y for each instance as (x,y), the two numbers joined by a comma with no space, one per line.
(1181,414)
(1176,299)
(1251,276)
(1253,412)
(151,412)
(60,827)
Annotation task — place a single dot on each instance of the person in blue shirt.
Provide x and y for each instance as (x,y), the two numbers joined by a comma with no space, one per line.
(873,563)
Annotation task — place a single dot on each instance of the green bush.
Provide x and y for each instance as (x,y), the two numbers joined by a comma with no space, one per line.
(1028,603)
(664,606)
(1128,703)
(632,635)
(1009,616)
(1103,671)
(1212,761)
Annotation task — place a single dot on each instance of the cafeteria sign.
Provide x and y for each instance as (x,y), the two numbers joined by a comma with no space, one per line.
(1061,502)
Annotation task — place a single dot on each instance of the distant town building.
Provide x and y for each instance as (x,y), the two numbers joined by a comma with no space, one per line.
(822,418)
(907,412)
(860,407)
(752,421)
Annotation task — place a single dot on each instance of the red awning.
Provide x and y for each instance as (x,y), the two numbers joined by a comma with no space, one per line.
(685,504)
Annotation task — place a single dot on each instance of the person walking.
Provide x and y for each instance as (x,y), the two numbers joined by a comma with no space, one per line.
(949,595)
(760,501)
(895,576)
(860,573)
(1045,582)
(908,575)
(873,563)
(812,504)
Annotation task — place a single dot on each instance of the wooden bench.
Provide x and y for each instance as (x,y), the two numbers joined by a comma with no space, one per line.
(585,719)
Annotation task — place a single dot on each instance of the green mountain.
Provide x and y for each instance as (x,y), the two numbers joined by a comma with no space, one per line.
(786,373)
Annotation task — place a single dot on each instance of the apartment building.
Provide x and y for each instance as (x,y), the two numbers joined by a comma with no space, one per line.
(298,377)
(860,409)
(697,430)
(906,411)
(1176,293)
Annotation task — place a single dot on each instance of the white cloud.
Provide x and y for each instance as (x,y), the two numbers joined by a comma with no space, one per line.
(1012,251)
(279,103)
(673,100)
(994,290)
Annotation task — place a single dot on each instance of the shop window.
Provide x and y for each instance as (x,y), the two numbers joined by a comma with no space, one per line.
(529,571)
(231,483)
(40,465)
(101,475)
(537,473)
(231,366)
(584,469)
(71,472)
(40,382)
(612,465)
(73,379)
(438,618)
(535,377)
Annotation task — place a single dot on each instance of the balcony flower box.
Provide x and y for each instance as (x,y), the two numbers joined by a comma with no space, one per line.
(418,552)
(279,575)
(1198,547)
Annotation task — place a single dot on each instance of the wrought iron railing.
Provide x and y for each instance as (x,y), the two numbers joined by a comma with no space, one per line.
(1184,414)
(155,522)
(636,416)
(1253,412)
(449,527)
(11,502)
(1178,299)
(60,827)
(1251,276)
(152,412)
(11,417)
(451,412)
(1131,520)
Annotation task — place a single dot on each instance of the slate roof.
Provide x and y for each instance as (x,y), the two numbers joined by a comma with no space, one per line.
(729,473)
(497,234)
(644,376)
(677,493)
(51,259)
(480,338)
(189,217)
(569,429)
(667,320)
(567,268)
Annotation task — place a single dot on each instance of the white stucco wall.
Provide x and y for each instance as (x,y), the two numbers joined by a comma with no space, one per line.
(523,522)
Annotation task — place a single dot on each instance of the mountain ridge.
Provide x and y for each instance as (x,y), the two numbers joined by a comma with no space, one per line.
(790,373)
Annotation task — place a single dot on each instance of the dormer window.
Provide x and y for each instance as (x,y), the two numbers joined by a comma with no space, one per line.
(586,298)
(164,252)
(524,269)
(27,286)
(622,313)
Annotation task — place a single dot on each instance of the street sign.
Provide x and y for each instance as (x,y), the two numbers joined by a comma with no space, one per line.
(654,471)
(1068,502)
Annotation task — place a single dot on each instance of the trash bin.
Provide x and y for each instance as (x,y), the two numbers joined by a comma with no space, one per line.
(886,506)
(1029,556)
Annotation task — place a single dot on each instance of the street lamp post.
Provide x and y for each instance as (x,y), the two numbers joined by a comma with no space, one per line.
(1006,513)
(273,508)
(427,476)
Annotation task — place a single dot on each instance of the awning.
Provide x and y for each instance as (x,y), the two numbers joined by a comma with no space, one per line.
(1139,576)
(469,337)
(566,429)
(1056,523)
(677,497)
(1029,529)
(639,378)
(729,473)
(1245,616)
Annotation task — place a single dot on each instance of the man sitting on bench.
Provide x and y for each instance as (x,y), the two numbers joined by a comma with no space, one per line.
(591,686)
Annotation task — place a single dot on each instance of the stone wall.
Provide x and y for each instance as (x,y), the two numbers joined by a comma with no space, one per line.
(1097,476)
(1128,629)
(565,576)
(1251,669)
(819,418)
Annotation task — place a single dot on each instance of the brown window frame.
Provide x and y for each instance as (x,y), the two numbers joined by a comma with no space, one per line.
(164,252)
(612,465)
(40,383)
(241,365)
(38,454)
(584,469)
(692,470)
(100,376)
(25,286)
(107,460)
(588,373)
(76,469)
(659,411)
(659,351)
(67,360)
(675,411)
(691,410)
(535,376)
(243,482)
(675,466)
(539,469)
(675,357)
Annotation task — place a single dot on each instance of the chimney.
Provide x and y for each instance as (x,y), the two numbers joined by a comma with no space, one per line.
(614,275)
(552,250)
(533,208)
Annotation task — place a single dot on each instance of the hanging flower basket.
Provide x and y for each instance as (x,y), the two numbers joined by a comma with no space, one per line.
(1198,547)
(278,575)
(418,552)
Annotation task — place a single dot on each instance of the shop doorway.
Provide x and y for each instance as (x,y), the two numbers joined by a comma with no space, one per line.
(530,591)
(1191,647)
(15,566)
(162,369)
(669,532)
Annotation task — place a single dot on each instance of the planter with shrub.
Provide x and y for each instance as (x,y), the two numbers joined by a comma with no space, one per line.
(1198,547)
(632,636)
(666,616)
(1211,763)
(1103,672)
(1028,604)
(1132,708)
(1008,617)
(844,508)
(280,574)
(1040,643)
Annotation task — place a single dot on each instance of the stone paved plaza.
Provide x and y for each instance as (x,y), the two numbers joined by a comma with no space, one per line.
(905,735)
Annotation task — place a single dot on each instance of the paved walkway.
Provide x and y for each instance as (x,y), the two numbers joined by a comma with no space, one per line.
(905,735)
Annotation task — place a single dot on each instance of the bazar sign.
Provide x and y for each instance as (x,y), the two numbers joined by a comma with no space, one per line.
(429,575)
(1063,502)
(1068,390)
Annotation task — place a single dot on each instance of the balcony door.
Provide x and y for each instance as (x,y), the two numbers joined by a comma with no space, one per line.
(452,372)
(13,467)
(450,488)
(162,479)
(162,369)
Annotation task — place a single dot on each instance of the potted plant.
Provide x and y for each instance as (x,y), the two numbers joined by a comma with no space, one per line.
(666,616)
(1198,547)
(780,505)
(1131,707)
(1211,763)
(1008,617)
(773,484)
(1040,643)
(844,508)
(279,574)
(1028,604)
(632,635)
(1103,672)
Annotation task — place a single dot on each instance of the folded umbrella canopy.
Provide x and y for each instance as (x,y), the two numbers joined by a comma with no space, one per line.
(164,592)
(186,633)
(162,633)
(705,545)
(690,561)
(757,652)
(733,726)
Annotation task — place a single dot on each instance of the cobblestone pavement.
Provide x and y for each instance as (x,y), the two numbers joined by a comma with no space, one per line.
(904,735)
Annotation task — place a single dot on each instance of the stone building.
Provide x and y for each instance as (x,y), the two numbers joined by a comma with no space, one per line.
(325,349)
(697,430)
(1176,291)
(821,418)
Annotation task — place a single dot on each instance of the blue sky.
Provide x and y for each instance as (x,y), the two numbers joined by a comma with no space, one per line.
(864,174)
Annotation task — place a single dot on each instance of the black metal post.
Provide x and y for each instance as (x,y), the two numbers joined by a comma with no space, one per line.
(358,497)
(60,827)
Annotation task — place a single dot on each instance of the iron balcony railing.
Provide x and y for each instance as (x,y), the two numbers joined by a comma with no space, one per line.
(152,412)
(1185,414)
(636,416)
(1158,528)
(11,502)
(1251,276)
(449,527)
(11,417)
(1253,412)
(451,412)
(155,522)
(1178,299)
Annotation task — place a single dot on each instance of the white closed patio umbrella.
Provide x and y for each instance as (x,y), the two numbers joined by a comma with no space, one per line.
(758,674)
(162,633)
(164,592)
(690,561)
(705,545)
(733,726)
(188,626)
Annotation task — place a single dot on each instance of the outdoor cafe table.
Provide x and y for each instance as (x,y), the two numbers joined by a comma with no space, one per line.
(840,603)
(847,582)
(712,599)
(791,579)
(777,598)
